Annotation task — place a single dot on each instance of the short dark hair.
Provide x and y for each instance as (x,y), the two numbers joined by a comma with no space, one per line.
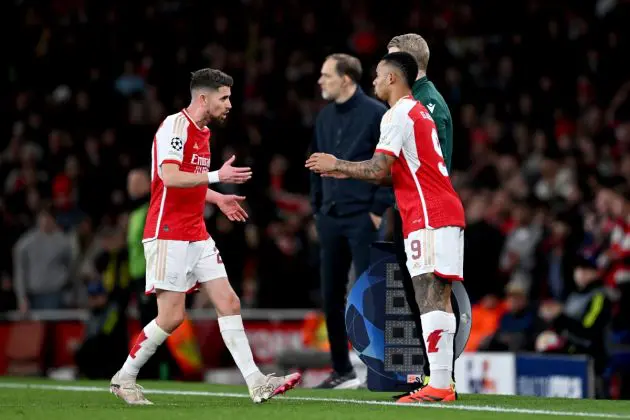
(347,65)
(405,63)
(209,79)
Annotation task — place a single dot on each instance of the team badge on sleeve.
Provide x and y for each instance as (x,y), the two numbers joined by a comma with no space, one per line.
(177,144)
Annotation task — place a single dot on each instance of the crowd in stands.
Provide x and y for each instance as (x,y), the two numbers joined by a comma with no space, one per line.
(540,98)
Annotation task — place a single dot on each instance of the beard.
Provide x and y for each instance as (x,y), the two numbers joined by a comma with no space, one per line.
(218,121)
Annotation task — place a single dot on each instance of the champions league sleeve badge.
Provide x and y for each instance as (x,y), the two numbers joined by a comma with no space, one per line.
(177,144)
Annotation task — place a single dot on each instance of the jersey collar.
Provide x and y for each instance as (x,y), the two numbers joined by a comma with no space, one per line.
(187,115)
(402,98)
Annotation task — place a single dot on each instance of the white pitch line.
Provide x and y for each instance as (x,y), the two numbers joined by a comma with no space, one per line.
(10,385)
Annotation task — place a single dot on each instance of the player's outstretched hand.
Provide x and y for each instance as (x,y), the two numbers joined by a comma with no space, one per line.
(234,175)
(230,206)
(321,163)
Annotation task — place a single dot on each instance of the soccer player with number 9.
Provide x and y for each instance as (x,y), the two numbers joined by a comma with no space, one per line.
(431,211)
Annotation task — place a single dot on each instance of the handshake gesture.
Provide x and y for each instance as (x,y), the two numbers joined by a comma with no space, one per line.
(234,175)
(324,165)
(230,204)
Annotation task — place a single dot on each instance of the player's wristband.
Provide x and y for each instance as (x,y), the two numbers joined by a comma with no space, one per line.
(213,177)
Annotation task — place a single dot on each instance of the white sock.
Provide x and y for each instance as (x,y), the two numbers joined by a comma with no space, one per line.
(438,331)
(234,337)
(147,342)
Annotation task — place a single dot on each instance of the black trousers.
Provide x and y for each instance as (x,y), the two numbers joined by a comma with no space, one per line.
(401,256)
(343,240)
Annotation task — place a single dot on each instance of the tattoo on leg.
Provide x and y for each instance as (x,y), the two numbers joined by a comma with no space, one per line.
(432,293)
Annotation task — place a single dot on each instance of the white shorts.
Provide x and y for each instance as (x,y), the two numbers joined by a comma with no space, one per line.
(439,251)
(180,266)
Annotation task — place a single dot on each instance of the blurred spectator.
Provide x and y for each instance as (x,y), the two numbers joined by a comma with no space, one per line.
(582,323)
(519,252)
(129,82)
(106,337)
(487,314)
(139,188)
(558,255)
(283,269)
(481,262)
(518,325)
(64,195)
(42,267)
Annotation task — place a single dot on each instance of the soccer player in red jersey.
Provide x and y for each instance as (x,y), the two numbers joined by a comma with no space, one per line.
(181,256)
(431,211)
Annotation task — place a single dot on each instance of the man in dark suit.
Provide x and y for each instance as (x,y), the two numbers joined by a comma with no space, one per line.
(348,212)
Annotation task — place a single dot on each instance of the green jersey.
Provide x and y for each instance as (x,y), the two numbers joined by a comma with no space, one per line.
(425,92)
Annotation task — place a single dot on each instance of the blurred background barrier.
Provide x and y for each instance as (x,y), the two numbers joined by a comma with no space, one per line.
(49,340)
(525,374)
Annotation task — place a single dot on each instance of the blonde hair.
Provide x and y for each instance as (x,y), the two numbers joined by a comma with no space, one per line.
(415,45)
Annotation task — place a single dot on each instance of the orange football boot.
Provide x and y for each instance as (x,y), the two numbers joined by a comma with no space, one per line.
(429,394)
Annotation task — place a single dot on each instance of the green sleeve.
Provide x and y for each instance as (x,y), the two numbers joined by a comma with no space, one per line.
(445,134)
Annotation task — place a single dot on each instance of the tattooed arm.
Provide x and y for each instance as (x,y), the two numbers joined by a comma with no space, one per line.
(374,170)
(385,182)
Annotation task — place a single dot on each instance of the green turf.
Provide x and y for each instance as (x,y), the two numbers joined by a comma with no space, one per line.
(47,404)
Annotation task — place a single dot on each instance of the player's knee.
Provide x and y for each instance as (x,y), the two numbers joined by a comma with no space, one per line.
(170,316)
(170,321)
(230,305)
(178,318)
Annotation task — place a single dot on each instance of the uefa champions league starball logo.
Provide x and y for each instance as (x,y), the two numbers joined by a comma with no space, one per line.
(381,327)
(177,144)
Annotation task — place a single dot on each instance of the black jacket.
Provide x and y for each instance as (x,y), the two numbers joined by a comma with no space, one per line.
(350,131)
(584,322)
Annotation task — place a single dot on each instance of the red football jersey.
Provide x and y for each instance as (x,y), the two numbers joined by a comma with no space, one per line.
(424,194)
(177,213)
(619,253)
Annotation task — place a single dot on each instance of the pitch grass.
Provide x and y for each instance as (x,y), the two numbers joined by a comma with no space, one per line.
(38,399)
